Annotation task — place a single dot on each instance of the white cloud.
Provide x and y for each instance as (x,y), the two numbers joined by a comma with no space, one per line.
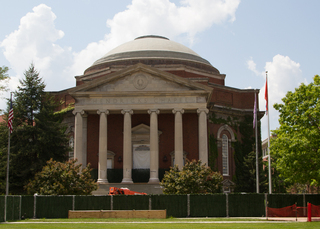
(284,75)
(252,66)
(160,17)
(35,41)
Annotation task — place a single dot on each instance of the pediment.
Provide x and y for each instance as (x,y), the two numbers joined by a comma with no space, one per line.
(141,134)
(142,129)
(139,78)
(228,183)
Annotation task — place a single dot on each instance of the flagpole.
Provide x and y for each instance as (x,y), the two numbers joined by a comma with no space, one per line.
(8,157)
(269,156)
(7,182)
(256,133)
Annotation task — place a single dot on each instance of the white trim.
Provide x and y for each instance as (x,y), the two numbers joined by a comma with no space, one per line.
(227,128)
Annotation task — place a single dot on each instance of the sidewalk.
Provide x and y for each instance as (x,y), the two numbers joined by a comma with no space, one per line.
(298,219)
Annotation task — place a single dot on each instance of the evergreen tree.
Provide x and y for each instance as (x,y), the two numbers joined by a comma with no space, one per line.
(38,133)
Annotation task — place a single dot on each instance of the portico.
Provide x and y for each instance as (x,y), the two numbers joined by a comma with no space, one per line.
(138,90)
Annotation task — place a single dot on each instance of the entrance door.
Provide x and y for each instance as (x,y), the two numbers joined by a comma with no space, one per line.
(141,156)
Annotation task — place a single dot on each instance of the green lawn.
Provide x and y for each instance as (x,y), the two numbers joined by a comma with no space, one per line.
(157,225)
(166,223)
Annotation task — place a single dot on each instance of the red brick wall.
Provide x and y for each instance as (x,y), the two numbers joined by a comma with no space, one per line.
(115,137)
(64,99)
(166,140)
(232,98)
(93,140)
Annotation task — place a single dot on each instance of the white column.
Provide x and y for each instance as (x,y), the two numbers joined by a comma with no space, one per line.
(154,146)
(203,135)
(84,139)
(178,137)
(103,147)
(78,138)
(127,147)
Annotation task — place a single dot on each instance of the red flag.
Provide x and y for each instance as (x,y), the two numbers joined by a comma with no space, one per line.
(266,95)
(10,118)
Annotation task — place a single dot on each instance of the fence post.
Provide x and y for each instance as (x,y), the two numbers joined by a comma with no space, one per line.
(73,202)
(266,204)
(304,204)
(150,203)
(188,205)
(34,205)
(227,205)
(5,208)
(20,204)
(111,203)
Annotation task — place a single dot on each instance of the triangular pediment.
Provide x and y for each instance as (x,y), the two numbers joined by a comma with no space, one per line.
(228,183)
(141,129)
(139,78)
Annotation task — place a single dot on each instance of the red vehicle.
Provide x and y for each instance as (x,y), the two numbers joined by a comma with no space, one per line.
(123,191)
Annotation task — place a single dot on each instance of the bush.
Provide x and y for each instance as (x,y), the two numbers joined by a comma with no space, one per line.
(193,178)
(57,178)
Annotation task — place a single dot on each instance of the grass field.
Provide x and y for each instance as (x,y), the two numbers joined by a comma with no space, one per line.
(166,223)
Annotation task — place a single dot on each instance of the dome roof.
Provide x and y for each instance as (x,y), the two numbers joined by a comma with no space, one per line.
(152,50)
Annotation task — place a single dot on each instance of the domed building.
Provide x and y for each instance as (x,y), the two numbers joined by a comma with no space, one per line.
(148,105)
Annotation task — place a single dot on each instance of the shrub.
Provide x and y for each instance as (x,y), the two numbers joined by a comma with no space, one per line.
(193,178)
(57,178)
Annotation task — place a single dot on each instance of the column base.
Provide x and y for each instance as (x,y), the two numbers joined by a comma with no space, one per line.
(102,181)
(126,181)
(154,181)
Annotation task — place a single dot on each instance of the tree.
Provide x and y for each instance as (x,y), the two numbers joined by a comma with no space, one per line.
(295,150)
(38,134)
(57,178)
(4,77)
(193,178)
(250,166)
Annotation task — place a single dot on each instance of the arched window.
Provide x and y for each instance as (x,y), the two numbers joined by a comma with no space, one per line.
(71,145)
(225,155)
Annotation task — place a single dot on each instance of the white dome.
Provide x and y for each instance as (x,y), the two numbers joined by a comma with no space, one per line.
(151,47)
(151,43)
(151,50)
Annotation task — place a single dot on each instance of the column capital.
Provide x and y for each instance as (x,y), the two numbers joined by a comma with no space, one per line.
(202,110)
(157,111)
(127,111)
(81,112)
(102,111)
(178,110)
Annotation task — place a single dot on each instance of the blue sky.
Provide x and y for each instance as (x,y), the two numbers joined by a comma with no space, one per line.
(242,39)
